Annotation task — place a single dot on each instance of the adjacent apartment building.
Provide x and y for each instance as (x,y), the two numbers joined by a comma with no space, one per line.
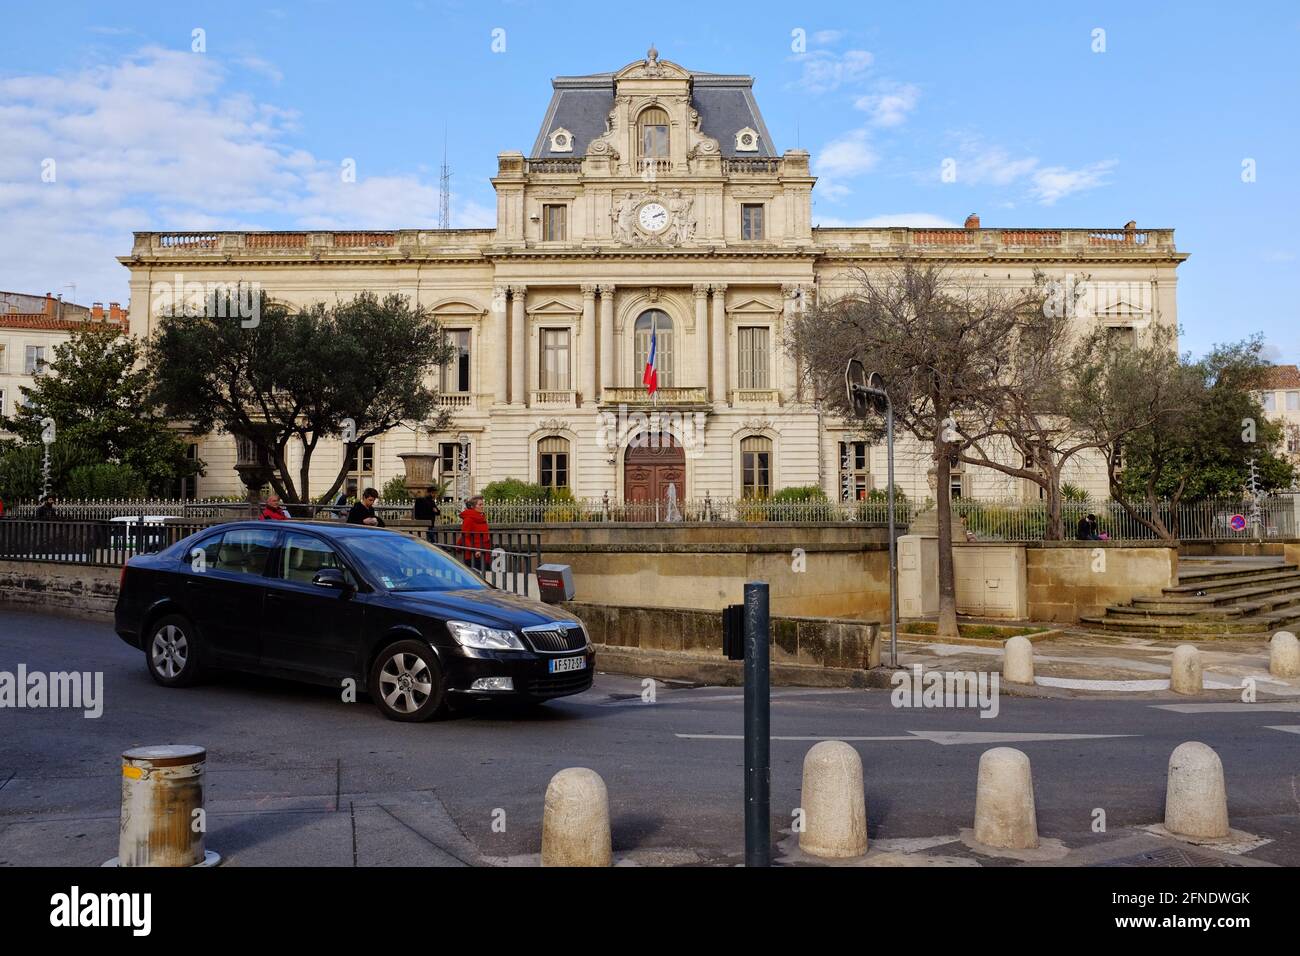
(654,202)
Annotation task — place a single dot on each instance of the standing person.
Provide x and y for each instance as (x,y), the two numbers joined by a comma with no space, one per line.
(274,511)
(341,505)
(2,507)
(363,512)
(426,509)
(475,538)
(46,510)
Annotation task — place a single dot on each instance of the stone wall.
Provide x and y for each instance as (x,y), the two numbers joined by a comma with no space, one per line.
(1071,579)
(808,641)
(74,590)
(835,580)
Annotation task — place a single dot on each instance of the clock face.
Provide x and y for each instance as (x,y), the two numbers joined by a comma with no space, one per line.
(653,217)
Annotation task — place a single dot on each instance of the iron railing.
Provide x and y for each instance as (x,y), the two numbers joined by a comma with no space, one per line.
(97,543)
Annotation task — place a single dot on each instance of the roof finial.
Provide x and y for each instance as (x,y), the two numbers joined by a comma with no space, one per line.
(652,55)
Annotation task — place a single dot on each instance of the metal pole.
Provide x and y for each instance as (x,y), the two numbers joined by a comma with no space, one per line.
(758,764)
(893,544)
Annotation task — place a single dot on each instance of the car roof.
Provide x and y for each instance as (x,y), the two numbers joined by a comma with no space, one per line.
(327,528)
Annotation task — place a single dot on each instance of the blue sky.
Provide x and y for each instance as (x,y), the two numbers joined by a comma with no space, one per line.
(250,133)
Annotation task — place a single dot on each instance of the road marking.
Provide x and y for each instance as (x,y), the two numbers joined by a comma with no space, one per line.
(1289,707)
(1286,728)
(1079,683)
(943,737)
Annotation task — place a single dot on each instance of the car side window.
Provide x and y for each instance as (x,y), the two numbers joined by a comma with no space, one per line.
(210,549)
(244,551)
(303,555)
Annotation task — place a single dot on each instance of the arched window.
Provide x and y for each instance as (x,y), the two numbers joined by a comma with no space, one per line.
(756,466)
(553,462)
(656,321)
(652,125)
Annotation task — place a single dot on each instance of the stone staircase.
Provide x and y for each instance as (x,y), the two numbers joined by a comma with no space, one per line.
(1211,599)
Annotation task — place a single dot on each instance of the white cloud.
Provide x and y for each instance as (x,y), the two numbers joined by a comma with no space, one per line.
(827,37)
(163,140)
(1057,182)
(890,106)
(916,220)
(978,164)
(824,71)
(850,155)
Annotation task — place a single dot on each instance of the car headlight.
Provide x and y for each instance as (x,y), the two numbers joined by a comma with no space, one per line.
(485,638)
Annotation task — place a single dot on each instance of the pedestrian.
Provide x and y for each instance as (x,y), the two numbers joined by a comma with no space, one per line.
(46,512)
(274,511)
(475,537)
(2,507)
(426,509)
(363,512)
(1087,530)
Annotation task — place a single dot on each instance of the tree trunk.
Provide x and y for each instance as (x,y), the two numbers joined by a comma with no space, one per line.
(1055,530)
(947,626)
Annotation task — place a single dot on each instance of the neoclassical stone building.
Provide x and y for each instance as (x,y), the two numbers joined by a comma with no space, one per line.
(654,198)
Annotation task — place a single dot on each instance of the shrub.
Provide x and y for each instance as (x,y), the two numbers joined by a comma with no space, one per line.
(512,489)
(105,481)
(395,489)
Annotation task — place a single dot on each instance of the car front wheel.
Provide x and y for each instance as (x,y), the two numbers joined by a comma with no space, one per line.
(172,652)
(406,682)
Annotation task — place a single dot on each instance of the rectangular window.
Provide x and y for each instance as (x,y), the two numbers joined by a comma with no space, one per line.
(449,460)
(2,401)
(553,462)
(364,461)
(751,220)
(956,485)
(1269,404)
(756,467)
(654,141)
(35,359)
(1293,401)
(554,222)
(752,357)
(455,374)
(554,369)
(855,471)
(2,360)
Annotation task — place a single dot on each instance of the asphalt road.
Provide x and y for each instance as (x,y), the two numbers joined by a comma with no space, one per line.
(297,777)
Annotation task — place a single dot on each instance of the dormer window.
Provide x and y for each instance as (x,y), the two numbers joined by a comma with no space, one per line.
(561,141)
(746,141)
(653,128)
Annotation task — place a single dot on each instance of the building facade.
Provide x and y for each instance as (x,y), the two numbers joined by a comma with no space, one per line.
(30,327)
(654,204)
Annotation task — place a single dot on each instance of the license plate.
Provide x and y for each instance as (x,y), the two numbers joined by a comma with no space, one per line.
(561,665)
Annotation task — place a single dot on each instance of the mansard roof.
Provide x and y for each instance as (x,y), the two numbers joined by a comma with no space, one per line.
(580,104)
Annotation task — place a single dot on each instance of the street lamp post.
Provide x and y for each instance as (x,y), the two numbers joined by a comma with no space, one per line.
(867,393)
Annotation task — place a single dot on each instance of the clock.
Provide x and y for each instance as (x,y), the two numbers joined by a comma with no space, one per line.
(653,217)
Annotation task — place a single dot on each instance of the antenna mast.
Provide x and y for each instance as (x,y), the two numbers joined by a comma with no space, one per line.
(444,187)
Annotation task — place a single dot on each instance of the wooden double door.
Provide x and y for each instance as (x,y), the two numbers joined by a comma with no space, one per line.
(649,471)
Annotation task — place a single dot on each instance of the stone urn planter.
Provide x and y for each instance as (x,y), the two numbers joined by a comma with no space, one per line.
(419,467)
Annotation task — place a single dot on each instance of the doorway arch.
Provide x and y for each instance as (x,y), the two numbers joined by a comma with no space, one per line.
(650,469)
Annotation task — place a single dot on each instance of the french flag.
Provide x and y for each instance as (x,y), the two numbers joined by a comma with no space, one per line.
(650,378)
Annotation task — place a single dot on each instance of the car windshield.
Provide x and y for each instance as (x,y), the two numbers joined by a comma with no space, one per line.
(402,563)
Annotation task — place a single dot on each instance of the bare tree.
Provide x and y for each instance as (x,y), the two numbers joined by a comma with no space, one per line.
(943,343)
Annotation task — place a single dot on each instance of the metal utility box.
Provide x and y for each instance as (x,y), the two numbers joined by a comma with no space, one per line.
(555,583)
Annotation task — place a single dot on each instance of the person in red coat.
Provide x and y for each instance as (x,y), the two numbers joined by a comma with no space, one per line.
(475,539)
(274,511)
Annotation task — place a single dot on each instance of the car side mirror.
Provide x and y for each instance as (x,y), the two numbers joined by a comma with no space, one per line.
(331,578)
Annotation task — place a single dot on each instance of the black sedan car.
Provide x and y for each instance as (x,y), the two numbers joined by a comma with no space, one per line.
(329,604)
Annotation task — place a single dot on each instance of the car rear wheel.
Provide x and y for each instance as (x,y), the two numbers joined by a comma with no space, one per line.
(173,652)
(406,682)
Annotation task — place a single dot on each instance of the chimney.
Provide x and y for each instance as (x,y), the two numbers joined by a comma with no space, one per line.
(973,221)
(97,311)
(49,304)
(115,313)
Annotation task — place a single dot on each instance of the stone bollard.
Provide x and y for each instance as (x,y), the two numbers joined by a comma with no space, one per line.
(1284,655)
(833,804)
(1018,660)
(1185,670)
(1196,803)
(575,821)
(163,821)
(1004,801)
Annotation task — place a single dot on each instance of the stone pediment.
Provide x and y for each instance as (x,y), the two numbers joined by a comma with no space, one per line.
(652,68)
(754,306)
(555,307)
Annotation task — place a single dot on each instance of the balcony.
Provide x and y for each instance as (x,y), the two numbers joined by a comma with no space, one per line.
(671,396)
(455,400)
(756,396)
(751,165)
(554,166)
(957,243)
(553,398)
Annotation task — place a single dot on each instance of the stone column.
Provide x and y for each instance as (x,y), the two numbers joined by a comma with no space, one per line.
(588,376)
(518,345)
(607,377)
(695,348)
(498,340)
(718,380)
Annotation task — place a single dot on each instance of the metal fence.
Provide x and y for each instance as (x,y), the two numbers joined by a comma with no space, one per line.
(1216,519)
(99,543)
